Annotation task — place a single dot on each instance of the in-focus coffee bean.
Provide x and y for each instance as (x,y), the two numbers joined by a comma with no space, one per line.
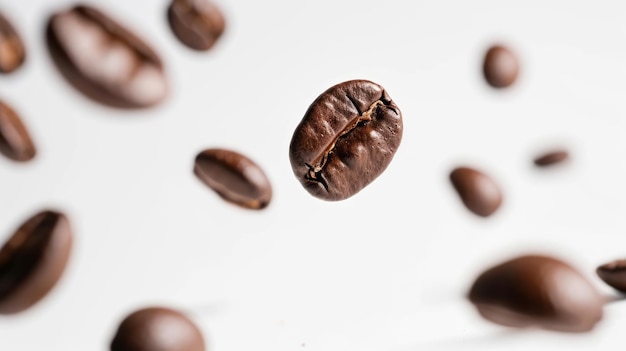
(12,48)
(104,60)
(198,24)
(551,158)
(614,274)
(157,329)
(235,177)
(346,139)
(500,67)
(15,141)
(33,260)
(479,192)
(537,291)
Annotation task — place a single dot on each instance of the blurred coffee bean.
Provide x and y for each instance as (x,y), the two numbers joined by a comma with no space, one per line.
(479,193)
(537,291)
(33,260)
(500,67)
(157,329)
(235,177)
(614,274)
(104,60)
(198,24)
(551,158)
(15,141)
(12,48)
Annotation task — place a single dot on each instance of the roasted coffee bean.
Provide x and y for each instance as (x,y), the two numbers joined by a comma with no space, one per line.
(537,291)
(15,141)
(104,60)
(551,158)
(33,260)
(157,329)
(500,67)
(12,49)
(346,139)
(196,23)
(614,274)
(235,177)
(479,192)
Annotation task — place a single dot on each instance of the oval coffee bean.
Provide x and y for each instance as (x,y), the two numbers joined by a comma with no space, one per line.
(235,177)
(479,193)
(15,141)
(157,329)
(12,49)
(537,291)
(500,67)
(196,23)
(346,139)
(614,274)
(551,158)
(33,260)
(104,60)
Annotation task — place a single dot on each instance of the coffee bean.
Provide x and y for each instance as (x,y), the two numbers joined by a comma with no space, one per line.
(235,177)
(537,291)
(12,49)
(500,67)
(33,260)
(196,23)
(157,329)
(15,141)
(614,274)
(104,60)
(346,139)
(479,192)
(551,158)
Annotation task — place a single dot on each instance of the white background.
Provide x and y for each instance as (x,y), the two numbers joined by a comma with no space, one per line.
(387,269)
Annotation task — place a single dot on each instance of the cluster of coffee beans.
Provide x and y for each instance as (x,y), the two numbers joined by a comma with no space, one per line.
(345,141)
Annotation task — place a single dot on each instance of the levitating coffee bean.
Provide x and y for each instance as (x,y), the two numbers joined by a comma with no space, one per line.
(614,274)
(157,329)
(551,158)
(346,139)
(500,67)
(479,192)
(12,48)
(33,260)
(235,177)
(198,24)
(15,141)
(537,291)
(104,60)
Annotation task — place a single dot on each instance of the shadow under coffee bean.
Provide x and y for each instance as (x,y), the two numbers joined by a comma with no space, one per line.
(346,139)
(12,48)
(33,260)
(104,60)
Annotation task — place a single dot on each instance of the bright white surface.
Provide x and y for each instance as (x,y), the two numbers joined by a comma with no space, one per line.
(384,270)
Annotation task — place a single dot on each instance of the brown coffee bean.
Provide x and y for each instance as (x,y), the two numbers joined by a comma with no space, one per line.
(235,177)
(614,274)
(15,141)
(551,158)
(500,67)
(157,329)
(537,291)
(479,193)
(198,24)
(12,48)
(33,260)
(345,140)
(104,60)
